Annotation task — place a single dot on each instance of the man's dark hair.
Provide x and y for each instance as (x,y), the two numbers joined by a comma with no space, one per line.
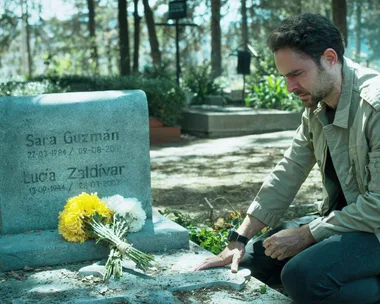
(309,34)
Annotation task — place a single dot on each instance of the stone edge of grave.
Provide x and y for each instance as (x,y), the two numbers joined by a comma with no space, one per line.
(128,290)
(47,247)
(215,122)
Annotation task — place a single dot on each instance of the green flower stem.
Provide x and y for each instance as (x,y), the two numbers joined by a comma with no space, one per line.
(120,248)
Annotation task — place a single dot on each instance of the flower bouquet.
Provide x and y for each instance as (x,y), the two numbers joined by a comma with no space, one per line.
(87,216)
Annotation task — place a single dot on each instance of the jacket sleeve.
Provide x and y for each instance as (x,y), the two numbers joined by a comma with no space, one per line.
(283,183)
(364,213)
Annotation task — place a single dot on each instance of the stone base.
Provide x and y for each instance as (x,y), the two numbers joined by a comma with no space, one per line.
(216,121)
(45,248)
(172,281)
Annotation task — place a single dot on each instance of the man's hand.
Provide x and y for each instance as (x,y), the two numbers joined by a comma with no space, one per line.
(232,254)
(288,242)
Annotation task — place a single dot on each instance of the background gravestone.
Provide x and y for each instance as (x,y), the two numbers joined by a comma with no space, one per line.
(56,146)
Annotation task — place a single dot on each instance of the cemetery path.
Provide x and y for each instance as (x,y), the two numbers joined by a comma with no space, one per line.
(227,171)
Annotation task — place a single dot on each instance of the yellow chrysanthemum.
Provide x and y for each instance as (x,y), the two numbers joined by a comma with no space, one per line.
(78,210)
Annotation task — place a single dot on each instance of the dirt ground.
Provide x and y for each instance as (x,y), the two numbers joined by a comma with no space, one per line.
(228,172)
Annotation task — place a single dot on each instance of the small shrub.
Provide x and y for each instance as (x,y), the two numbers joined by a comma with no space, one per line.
(165,99)
(267,89)
(213,239)
(22,88)
(271,93)
(200,82)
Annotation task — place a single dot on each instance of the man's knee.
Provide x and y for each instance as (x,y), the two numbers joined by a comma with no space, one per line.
(301,280)
(306,281)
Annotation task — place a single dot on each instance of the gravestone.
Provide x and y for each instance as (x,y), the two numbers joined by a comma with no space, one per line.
(56,146)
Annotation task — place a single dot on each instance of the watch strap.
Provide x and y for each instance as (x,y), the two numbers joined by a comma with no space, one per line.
(233,235)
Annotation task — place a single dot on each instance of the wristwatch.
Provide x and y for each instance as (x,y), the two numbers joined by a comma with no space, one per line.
(234,236)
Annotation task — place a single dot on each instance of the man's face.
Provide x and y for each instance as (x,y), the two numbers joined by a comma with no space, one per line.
(303,77)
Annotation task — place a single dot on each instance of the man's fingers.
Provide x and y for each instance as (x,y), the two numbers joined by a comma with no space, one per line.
(235,263)
(210,263)
(281,257)
(269,251)
(227,256)
(274,252)
(269,241)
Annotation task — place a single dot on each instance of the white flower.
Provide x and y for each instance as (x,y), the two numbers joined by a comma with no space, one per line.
(128,208)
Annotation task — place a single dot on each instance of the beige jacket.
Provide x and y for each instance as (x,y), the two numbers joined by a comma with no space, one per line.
(354,143)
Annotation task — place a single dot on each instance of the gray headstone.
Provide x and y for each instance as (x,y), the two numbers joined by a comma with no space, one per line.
(58,145)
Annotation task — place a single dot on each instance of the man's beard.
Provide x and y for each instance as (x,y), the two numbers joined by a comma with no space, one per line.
(324,85)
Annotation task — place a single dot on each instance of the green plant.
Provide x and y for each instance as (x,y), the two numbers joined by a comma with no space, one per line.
(263,289)
(271,93)
(22,88)
(213,239)
(267,89)
(200,82)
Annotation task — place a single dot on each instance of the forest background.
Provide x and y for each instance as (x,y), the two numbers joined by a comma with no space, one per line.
(120,37)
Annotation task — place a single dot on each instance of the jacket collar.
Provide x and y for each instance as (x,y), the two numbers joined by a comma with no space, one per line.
(343,109)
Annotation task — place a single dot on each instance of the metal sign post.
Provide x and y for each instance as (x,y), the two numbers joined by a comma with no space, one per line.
(177,10)
(244,64)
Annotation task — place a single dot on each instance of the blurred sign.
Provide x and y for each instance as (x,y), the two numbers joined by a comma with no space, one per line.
(177,9)
(244,62)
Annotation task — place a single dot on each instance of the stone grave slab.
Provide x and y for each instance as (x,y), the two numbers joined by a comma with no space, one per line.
(56,146)
(172,281)
(214,121)
(180,282)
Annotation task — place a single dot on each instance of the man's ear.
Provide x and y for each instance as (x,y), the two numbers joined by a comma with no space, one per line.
(330,57)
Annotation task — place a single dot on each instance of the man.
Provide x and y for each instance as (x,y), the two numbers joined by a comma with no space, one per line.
(333,257)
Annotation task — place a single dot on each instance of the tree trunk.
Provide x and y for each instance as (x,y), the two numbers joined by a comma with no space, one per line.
(254,27)
(154,45)
(125,66)
(26,50)
(244,24)
(358,31)
(216,39)
(108,47)
(91,28)
(339,12)
(136,39)
(299,7)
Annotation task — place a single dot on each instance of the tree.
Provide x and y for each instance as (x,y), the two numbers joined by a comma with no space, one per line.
(125,66)
(136,39)
(9,31)
(154,45)
(244,24)
(26,50)
(370,30)
(339,12)
(358,31)
(91,28)
(216,39)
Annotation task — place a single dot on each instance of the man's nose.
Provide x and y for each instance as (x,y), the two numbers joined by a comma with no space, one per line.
(291,85)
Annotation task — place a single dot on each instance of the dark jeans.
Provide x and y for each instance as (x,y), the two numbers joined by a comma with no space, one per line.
(341,269)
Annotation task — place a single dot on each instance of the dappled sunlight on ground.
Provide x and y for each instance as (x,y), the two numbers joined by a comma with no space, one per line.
(233,168)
